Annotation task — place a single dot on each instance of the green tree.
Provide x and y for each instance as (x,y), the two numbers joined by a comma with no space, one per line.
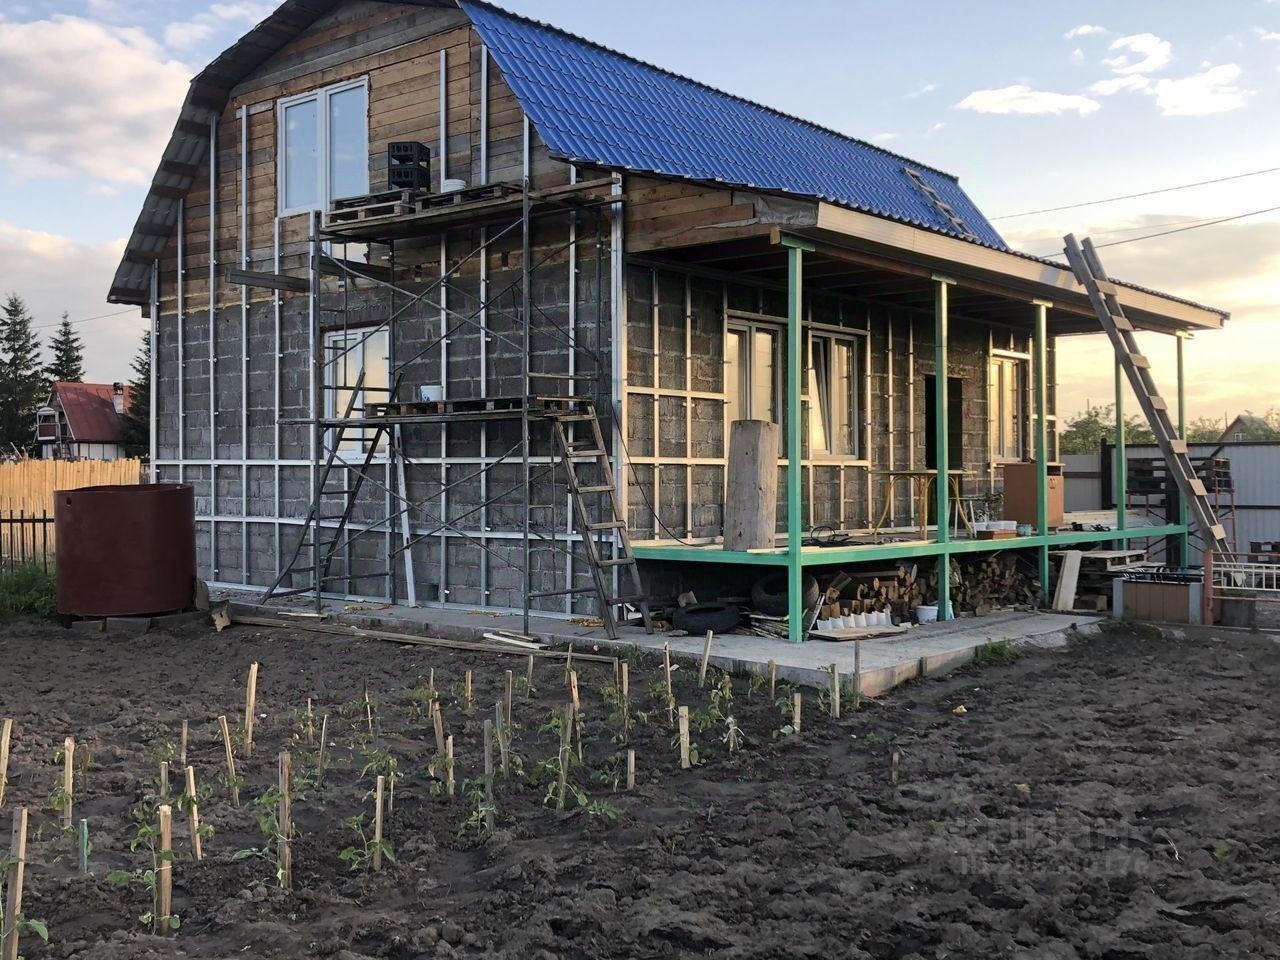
(68,353)
(1085,432)
(22,382)
(1204,430)
(135,434)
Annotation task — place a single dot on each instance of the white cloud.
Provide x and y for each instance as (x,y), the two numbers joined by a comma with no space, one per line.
(1084,30)
(242,10)
(1020,98)
(884,137)
(934,129)
(1113,85)
(1077,55)
(920,91)
(1145,53)
(85,97)
(1215,90)
(191,34)
(1274,35)
(185,36)
(55,273)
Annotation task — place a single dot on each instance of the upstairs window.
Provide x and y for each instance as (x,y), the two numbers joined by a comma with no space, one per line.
(323,147)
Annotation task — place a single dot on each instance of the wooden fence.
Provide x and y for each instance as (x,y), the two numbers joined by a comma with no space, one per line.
(29,485)
(25,538)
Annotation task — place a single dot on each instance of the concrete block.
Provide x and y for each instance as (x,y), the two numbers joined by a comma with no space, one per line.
(131,625)
(87,626)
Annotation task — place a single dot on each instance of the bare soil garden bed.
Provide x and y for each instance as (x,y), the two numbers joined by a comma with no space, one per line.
(1117,800)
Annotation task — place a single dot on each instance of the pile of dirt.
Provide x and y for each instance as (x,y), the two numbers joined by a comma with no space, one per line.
(1113,800)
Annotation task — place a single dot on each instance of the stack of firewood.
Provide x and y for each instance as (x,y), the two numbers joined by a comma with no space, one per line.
(993,582)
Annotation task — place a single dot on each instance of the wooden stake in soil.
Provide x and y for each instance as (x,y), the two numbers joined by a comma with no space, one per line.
(250,706)
(231,762)
(506,712)
(566,734)
(17,861)
(368,705)
(857,673)
(164,778)
(311,723)
(379,786)
(488,774)
(625,686)
(835,692)
(438,721)
(448,767)
(568,663)
(706,659)
(500,724)
(795,712)
(573,691)
(466,691)
(631,769)
(68,778)
(284,843)
(528,679)
(6,731)
(83,843)
(773,679)
(324,743)
(685,762)
(671,693)
(193,816)
(182,745)
(894,760)
(164,869)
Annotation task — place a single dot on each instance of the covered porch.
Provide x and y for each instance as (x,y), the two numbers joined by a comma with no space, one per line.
(855,255)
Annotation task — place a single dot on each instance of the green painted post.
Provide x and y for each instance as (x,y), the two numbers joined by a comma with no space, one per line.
(1120,474)
(942,456)
(1042,442)
(795,314)
(1183,541)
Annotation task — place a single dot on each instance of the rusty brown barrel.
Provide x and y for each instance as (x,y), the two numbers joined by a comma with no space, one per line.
(126,550)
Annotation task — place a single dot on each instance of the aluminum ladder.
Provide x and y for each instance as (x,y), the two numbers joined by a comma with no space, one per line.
(572,450)
(1102,294)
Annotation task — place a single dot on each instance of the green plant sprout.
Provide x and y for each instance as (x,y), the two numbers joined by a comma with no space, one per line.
(359,856)
(146,837)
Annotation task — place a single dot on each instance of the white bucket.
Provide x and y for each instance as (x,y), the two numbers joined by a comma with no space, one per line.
(926,614)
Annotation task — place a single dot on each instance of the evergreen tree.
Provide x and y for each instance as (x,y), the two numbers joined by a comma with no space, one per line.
(68,353)
(22,383)
(135,432)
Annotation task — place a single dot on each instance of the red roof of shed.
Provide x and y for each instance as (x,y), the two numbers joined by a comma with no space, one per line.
(90,410)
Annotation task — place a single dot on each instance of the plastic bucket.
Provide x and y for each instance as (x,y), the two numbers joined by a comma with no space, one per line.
(926,614)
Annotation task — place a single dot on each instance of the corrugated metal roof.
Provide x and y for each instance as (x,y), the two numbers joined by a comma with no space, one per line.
(593,105)
(90,409)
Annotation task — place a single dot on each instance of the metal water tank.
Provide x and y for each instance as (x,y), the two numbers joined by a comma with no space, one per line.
(126,550)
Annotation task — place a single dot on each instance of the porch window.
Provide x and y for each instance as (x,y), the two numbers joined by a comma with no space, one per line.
(346,354)
(833,396)
(752,373)
(323,145)
(1007,407)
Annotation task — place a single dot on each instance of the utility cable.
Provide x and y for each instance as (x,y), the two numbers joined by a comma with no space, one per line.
(1165,233)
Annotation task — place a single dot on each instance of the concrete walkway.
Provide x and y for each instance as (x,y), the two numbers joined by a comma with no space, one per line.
(931,648)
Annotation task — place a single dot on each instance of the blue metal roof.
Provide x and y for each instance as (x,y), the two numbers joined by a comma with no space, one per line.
(593,105)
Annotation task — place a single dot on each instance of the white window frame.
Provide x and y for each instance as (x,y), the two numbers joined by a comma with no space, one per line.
(322,96)
(751,326)
(857,340)
(357,437)
(1020,363)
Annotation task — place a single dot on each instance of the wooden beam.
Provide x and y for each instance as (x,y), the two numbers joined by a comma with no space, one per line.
(272,281)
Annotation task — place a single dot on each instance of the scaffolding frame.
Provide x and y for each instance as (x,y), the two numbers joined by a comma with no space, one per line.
(504,212)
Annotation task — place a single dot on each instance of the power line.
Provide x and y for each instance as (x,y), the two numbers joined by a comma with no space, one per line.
(101,316)
(1165,233)
(1131,196)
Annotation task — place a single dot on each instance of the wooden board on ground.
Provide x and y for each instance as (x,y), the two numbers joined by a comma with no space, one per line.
(1064,597)
(855,633)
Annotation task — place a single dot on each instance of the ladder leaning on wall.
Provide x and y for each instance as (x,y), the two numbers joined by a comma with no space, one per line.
(1102,294)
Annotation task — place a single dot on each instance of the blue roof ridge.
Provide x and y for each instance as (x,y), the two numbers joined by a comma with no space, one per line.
(706,86)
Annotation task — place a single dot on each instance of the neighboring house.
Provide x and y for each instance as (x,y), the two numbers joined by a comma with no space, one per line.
(82,421)
(1248,426)
(586,224)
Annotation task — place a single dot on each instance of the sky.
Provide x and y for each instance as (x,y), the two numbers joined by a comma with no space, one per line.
(1032,106)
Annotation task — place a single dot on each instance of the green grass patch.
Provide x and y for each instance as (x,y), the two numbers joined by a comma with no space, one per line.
(28,591)
(997,651)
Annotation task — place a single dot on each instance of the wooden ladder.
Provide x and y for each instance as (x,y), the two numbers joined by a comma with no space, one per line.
(1102,294)
(570,451)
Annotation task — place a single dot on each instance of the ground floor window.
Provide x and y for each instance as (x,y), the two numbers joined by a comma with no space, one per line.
(347,353)
(753,373)
(833,395)
(1007,407)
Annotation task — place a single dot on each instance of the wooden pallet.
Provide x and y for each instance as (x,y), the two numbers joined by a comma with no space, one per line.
(391,204)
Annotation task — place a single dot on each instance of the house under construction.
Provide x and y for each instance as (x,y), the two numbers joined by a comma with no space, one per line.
(452,307)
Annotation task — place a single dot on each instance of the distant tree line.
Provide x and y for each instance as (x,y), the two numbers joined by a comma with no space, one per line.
(25,378)
(1085,432)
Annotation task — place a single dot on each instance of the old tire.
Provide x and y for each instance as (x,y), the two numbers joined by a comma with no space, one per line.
(701,617)
(769,594)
